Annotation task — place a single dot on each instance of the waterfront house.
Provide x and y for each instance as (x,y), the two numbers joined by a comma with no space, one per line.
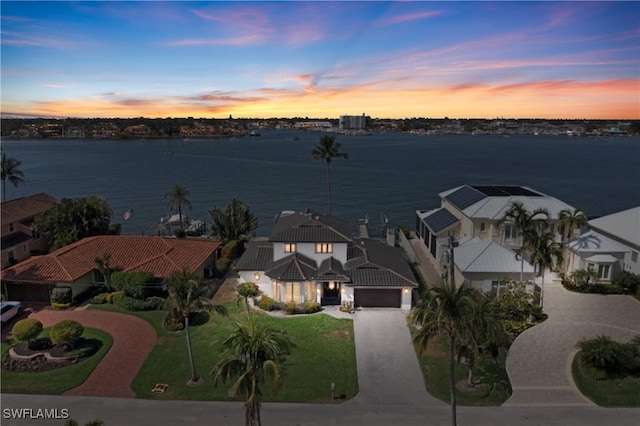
(75,264)
(609,247)
(474,213)
(313,257)
(19,240)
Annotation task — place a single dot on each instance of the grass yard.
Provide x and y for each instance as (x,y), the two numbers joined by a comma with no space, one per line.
(606,393)
(55,382)
(324,353)
(435,368)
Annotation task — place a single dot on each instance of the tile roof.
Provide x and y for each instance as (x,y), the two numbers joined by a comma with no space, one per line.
(331,270)
(310,226)
(159,255)
(295,267)
(257,256)
(379,263)
(25,207)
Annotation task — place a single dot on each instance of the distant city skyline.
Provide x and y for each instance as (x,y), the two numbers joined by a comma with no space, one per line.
(554,60)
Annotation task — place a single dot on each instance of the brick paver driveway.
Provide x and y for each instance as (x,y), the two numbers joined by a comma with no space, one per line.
(133,339)
(539,361)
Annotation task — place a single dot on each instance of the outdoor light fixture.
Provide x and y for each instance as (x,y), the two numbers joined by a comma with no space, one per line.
(256,276)
(331,285)
(406,290)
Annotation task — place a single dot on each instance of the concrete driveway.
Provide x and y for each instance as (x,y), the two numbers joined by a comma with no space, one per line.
(539,361)
(388,369)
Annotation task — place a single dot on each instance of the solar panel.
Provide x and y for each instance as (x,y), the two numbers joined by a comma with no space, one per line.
(465,197)
(505,191)
(440,220)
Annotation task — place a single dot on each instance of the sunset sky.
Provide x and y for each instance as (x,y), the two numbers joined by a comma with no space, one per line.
(321,59)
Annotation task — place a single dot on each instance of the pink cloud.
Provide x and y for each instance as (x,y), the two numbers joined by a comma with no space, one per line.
(399,19)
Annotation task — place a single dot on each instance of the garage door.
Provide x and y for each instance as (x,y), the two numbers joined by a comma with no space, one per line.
(377,297)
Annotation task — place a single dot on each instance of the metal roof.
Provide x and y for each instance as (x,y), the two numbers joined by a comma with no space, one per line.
(594,242)
(624,225)
(480,255)
(602,258)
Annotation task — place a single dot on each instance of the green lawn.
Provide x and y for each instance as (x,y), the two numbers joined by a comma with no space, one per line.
(606,393)
(55,382)
(324,353)
(435,368)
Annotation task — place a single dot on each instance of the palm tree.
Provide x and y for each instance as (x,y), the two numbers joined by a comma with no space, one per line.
(255,354)
(572,220)
(544,249)
(326,150)
(177,197)
(247,290)
(236,222)
(450,311)
(488,330)
(11,173)
(524,221)
(188,294)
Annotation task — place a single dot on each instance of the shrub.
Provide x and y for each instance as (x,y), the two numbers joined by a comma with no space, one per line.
(130,303)
(100,299)
(311,307)
(405,230)
(266,303)
(26,330)
(133,284)
(62,295)
(66,333)
(628,282)
(230,250)
(615,359)
(110,296)
(347,306)
(60,306)
(222,265)
(156,303)
(290,308)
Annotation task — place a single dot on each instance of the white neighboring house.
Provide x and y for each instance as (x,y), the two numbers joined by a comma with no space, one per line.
(474,213)
(610,246)
(485,265)
(312,257)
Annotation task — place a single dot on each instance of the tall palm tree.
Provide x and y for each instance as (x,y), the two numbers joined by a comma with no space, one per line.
(188,294)
(450,311)
(544,249)
(245,291)
(255,353)
(176,198)
(11,173)
(326,150)
(524,221)
(572,220)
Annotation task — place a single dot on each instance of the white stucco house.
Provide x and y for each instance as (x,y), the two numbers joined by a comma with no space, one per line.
(473,214)
(609,247)
(313,257)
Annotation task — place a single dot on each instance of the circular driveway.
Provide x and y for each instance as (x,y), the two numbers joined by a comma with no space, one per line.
(539,361)
(133,339)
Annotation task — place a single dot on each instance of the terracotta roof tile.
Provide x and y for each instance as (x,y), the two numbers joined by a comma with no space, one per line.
(26,207)
(157,255)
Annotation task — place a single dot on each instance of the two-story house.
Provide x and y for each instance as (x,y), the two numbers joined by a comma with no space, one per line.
(313,257)
(474,213)
(19,239)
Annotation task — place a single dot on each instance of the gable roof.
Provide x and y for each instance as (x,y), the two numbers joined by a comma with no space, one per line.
(624,225)
(331,270)
(378,264)
(482,255)
(26,207)
(309,226)
(158,255)
(492,201)
(295,267)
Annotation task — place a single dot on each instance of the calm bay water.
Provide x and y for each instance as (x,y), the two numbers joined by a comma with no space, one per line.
(391,173)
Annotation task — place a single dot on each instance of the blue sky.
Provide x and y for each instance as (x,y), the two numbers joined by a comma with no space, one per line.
(321,59)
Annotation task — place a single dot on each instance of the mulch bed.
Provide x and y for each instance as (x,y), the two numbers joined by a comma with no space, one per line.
(37,361)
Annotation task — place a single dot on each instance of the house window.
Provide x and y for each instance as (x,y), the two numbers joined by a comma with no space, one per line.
(35,235)
(324,248)
(510,232)
(603,272)
(289,247)
(482,227)
(292,292)
(552,228)
(11,227)
(634,256)
(275,291)
(309,292)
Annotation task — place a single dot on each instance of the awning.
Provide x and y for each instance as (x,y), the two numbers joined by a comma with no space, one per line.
(602,258)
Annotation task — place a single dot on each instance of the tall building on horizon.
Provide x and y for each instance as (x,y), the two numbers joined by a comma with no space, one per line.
(353,122)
